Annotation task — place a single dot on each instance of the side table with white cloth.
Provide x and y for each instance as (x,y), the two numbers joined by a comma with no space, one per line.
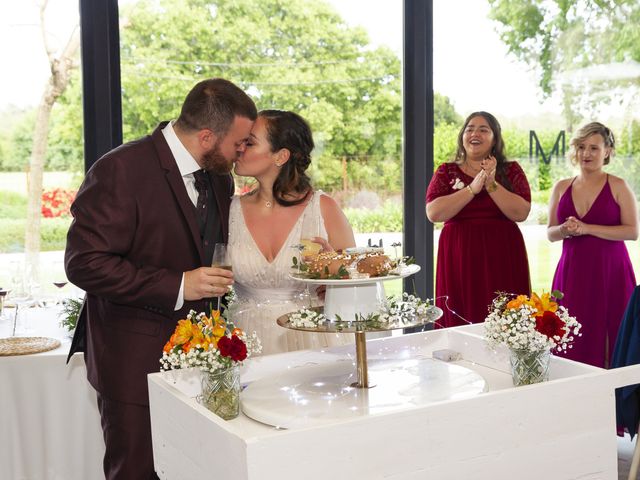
(49,419)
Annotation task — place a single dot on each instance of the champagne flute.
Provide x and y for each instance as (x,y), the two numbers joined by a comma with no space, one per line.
(221,260)
(309,232)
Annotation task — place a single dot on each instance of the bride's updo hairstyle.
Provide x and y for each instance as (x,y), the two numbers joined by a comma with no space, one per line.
(289,130)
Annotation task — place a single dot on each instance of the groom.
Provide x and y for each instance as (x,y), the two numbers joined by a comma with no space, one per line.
(146,219)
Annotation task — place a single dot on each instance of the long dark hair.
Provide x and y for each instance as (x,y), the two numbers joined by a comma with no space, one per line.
(289,130)
(498,150)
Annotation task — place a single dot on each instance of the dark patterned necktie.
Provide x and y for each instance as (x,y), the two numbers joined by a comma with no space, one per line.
(201,182)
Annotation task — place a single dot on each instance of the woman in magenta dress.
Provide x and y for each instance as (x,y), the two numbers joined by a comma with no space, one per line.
(479,197)
(593,214)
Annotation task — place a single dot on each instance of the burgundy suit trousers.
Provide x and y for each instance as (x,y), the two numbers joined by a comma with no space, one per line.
(127,436)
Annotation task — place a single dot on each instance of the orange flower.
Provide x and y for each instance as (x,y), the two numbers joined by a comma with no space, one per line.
(167,347)
(542,304)
(184,332)
(237,332)
(198,337)
(517,302)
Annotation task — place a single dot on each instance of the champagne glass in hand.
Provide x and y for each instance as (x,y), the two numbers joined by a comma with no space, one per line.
(309,232)
(221,260)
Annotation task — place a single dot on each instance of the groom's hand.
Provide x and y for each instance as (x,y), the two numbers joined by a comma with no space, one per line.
(206,282)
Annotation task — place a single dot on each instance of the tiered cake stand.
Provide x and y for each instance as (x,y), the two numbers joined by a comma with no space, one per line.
(323,389)
(348,301)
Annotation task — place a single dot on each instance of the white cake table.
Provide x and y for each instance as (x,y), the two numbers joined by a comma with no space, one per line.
(560,429)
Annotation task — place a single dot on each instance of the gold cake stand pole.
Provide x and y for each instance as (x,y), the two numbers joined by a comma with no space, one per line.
(361,361)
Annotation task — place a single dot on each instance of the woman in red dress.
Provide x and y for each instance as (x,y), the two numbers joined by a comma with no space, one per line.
(480,196)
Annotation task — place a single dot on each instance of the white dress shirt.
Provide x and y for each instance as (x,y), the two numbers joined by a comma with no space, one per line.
(187,166)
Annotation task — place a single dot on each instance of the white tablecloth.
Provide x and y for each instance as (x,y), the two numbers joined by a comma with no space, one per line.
(49,420)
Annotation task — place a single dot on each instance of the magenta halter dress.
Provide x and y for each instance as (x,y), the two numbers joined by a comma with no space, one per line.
(596,277)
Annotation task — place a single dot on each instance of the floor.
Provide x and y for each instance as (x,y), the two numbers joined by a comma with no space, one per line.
(625,454)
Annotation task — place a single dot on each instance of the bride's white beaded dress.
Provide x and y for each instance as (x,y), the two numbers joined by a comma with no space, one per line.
(265,290)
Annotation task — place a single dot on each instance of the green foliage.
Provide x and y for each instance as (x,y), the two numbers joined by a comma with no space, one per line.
(385,219)
(21,138)
(53,234)
(70,313)
(12,205)
(544,176)
(288,54)
(559,38)
(445,143)
(65,141)
(445,112)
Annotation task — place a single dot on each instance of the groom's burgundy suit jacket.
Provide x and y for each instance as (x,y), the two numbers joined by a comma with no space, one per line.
(133,234)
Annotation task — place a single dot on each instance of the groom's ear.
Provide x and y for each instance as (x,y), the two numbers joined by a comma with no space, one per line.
(206,138)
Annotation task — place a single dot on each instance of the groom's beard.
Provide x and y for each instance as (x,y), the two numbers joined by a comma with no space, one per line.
(215,162)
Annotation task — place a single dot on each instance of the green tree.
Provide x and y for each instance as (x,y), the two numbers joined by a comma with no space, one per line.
(444,112)
(560,35)
(567,42)
(288,54)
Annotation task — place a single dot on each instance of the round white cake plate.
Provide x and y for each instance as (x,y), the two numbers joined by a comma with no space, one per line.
(351,297)
(317,394)
(404,272)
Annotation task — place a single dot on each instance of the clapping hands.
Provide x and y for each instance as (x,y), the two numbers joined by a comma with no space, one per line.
(486,177)
(489,167)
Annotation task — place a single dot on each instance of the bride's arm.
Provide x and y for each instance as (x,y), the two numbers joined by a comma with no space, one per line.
(336,223)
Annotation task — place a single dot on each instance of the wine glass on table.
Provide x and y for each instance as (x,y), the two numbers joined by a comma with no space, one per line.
(59,281)
(21,297)
(221,260)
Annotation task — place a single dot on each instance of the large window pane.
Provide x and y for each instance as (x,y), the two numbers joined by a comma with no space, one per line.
(496,65)
(38,117)
(323,60)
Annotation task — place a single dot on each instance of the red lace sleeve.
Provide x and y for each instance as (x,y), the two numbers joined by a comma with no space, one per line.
(440,183)
(519,181)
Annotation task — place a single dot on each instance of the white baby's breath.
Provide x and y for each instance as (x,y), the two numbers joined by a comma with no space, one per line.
(305,318)
(516,327)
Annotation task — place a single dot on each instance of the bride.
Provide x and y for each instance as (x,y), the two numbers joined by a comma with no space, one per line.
(266,225)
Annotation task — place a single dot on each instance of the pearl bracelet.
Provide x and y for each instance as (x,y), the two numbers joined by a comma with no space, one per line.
(471,190)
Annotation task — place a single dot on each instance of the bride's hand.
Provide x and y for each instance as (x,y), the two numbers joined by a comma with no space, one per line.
(326,247)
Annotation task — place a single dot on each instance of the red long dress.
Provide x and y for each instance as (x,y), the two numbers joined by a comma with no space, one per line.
(480,250)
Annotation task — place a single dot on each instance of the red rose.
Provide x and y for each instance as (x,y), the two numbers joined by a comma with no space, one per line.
(549,324)
(232,347)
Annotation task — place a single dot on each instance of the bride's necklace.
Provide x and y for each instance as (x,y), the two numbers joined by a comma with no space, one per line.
(267,203)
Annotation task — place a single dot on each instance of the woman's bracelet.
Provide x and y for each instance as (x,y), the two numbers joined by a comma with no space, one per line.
(493,187)
(471,190)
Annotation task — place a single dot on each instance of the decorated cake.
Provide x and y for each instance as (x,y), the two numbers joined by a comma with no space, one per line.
(343,265)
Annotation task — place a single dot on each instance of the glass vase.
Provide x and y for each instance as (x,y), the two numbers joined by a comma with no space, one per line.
(221,392)
(529,366)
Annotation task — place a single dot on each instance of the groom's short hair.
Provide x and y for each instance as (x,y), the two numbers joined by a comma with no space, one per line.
(213,104)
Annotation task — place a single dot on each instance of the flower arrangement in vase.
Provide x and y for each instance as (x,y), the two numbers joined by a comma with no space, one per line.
(212,344)
(530,326)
